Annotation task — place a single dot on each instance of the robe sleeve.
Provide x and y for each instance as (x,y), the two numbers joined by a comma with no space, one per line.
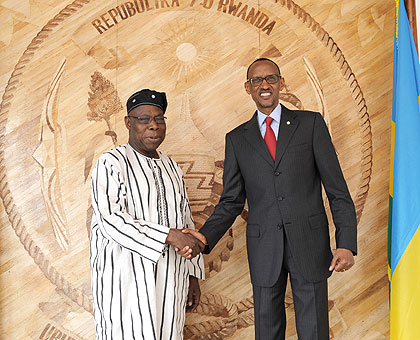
(108,202)
(195,265)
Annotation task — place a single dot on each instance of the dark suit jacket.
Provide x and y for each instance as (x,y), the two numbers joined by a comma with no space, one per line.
(284,194)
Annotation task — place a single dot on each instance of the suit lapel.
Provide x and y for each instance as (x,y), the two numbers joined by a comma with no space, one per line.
(288,125)
(253,135)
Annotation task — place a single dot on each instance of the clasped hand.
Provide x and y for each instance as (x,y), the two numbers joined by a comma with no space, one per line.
(186,242)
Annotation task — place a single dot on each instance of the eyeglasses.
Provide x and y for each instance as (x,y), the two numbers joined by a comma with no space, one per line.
(147,119)
(270,79)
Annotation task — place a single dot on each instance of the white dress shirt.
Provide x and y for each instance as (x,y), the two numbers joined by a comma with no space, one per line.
(276,115)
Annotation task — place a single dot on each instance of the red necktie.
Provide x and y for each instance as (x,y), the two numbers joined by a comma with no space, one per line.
(270,137)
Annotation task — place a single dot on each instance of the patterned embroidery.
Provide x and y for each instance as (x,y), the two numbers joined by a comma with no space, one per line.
(161,197)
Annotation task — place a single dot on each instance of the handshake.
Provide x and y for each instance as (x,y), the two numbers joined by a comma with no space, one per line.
(187,242)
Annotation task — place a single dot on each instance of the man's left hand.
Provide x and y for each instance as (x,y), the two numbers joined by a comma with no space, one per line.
(194,294)
(343,260)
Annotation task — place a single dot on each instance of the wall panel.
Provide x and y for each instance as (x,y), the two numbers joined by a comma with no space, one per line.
(66,72)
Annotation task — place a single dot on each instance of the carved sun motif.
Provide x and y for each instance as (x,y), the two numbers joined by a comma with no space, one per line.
(192,58)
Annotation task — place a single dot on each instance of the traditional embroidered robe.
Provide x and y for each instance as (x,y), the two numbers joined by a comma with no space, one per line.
(139,284)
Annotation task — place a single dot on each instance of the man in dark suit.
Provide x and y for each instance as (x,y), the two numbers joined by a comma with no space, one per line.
(277,162)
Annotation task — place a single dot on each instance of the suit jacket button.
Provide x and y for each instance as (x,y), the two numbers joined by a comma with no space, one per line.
(280,198)
(277,173)
(279,226)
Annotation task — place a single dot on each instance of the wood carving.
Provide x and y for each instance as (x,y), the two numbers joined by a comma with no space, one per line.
(197,52)
(103,103)
(47,155)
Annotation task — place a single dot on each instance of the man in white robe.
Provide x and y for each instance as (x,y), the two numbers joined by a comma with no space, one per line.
(141,286)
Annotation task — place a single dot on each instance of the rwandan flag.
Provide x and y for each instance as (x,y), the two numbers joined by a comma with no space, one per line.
(404,189)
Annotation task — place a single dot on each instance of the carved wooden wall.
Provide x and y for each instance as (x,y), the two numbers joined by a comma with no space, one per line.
(66,72)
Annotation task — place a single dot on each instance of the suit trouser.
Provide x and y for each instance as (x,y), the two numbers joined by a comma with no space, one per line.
(310,301)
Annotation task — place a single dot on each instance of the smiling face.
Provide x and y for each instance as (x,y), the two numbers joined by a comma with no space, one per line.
(266,96)
(145,138)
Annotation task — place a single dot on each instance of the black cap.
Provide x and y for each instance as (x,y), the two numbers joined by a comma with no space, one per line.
(147,97)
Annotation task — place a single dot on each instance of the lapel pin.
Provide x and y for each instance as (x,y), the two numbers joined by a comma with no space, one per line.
(288,122)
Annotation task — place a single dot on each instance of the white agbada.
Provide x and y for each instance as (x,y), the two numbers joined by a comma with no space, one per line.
(139,284)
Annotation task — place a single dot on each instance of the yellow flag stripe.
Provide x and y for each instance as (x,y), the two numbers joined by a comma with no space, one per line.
(405,293)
